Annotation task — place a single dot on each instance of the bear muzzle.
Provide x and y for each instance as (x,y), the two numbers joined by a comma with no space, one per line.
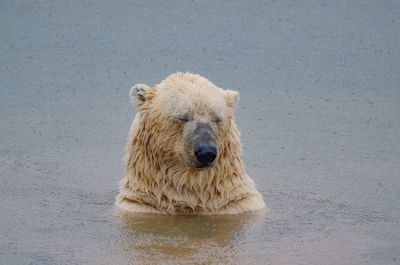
(204,148)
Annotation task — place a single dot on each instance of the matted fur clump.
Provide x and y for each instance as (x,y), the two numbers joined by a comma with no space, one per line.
(183,151)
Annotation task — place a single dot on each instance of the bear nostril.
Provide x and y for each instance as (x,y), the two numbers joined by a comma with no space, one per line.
(206,153)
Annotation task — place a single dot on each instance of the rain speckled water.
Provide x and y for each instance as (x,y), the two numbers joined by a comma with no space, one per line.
(319,115)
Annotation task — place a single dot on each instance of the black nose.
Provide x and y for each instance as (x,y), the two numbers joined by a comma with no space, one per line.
(205,154)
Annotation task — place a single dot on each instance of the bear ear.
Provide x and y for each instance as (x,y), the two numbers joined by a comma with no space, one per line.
(231,98)
(139,93)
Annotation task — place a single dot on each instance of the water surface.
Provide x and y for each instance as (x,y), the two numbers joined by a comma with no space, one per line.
(319,114)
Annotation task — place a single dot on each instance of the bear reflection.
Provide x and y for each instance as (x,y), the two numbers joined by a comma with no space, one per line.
(165,239)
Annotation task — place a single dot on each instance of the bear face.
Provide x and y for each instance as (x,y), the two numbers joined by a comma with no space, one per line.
(190,114)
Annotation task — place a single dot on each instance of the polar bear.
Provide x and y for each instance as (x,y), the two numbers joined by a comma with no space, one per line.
(183,153)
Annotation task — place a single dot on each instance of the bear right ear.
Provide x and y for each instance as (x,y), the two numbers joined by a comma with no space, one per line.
(140,93)
(231,98)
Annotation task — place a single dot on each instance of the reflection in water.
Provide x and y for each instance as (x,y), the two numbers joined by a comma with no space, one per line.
(164,239)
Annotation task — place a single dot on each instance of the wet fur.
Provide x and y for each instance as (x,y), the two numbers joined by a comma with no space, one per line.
(157,180)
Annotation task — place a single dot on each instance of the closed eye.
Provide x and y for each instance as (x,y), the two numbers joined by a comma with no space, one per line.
(183,119)
(217,120)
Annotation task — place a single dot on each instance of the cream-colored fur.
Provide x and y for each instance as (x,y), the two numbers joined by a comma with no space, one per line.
(158,176)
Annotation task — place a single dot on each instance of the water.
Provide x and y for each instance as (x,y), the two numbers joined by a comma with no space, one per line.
(319,115)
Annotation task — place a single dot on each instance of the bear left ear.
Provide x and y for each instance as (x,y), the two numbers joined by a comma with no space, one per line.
(139,93)
(231,98)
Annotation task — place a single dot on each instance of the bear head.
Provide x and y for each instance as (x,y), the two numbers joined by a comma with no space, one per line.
(185,119)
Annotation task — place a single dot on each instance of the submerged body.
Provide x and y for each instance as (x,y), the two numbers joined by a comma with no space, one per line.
(183,151)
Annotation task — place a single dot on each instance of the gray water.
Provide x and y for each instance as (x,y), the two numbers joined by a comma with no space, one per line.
(319,114)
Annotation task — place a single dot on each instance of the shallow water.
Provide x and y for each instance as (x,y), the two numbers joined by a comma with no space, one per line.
(319,116)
